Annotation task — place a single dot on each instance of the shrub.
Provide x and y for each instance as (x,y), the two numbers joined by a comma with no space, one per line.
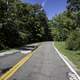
(59,34)
(73,41)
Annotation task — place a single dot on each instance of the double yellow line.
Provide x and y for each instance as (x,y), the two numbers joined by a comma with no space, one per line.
(8,74)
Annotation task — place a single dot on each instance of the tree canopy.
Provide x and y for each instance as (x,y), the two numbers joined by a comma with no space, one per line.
(22,23)
(67,24)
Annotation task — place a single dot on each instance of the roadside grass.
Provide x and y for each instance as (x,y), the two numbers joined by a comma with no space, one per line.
(4,50)
(1,51)
(74,56)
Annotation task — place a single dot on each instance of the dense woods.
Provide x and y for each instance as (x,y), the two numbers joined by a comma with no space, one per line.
(66,25)
(22,23)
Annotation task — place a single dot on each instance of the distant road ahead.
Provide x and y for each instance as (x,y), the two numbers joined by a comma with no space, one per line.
(45,64)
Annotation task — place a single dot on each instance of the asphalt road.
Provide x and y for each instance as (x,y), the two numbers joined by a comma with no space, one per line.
(9,60)
(45,64)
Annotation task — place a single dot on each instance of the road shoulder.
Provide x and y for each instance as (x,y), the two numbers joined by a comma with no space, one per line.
(67,62)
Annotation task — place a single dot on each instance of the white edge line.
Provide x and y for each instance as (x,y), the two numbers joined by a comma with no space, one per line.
(70,67)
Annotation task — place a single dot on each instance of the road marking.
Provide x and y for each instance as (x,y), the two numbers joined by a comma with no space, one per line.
(8,74)
(70,67)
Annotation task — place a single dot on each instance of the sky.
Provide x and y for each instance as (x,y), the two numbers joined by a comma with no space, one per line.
(51,7)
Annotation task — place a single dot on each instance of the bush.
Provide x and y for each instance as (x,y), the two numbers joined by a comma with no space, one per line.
(73,41)
(59,35)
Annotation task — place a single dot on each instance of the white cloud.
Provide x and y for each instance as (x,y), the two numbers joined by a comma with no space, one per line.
(43,3)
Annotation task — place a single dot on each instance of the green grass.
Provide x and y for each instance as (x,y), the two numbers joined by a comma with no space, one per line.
(74,56)
(3,50)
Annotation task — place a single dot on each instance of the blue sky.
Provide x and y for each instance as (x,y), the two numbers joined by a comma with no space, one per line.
(52,7)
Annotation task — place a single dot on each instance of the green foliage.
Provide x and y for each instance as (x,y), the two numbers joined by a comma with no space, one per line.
(73,41)
(59,35)
(60,26)
(73,5)
(66,25)
(22,23)
(74,56)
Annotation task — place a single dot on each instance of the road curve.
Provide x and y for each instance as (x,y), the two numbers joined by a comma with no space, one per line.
(45,64)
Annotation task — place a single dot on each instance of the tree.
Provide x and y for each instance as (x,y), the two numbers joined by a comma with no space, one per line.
(61,26)
(73,41)
(73,8)
(73,5)
(22,23)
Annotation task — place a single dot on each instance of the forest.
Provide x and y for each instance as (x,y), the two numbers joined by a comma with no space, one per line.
(23,23)
(66,26)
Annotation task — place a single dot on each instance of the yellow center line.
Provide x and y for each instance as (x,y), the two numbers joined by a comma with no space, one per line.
(9,73)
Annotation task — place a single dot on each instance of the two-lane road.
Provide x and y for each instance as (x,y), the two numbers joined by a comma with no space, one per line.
(45,64)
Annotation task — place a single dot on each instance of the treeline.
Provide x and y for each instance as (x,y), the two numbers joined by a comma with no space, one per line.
(66,26)
(22,23)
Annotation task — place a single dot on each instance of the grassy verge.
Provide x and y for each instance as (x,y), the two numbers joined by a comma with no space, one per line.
(1,51)
(74,56)
(4,50)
